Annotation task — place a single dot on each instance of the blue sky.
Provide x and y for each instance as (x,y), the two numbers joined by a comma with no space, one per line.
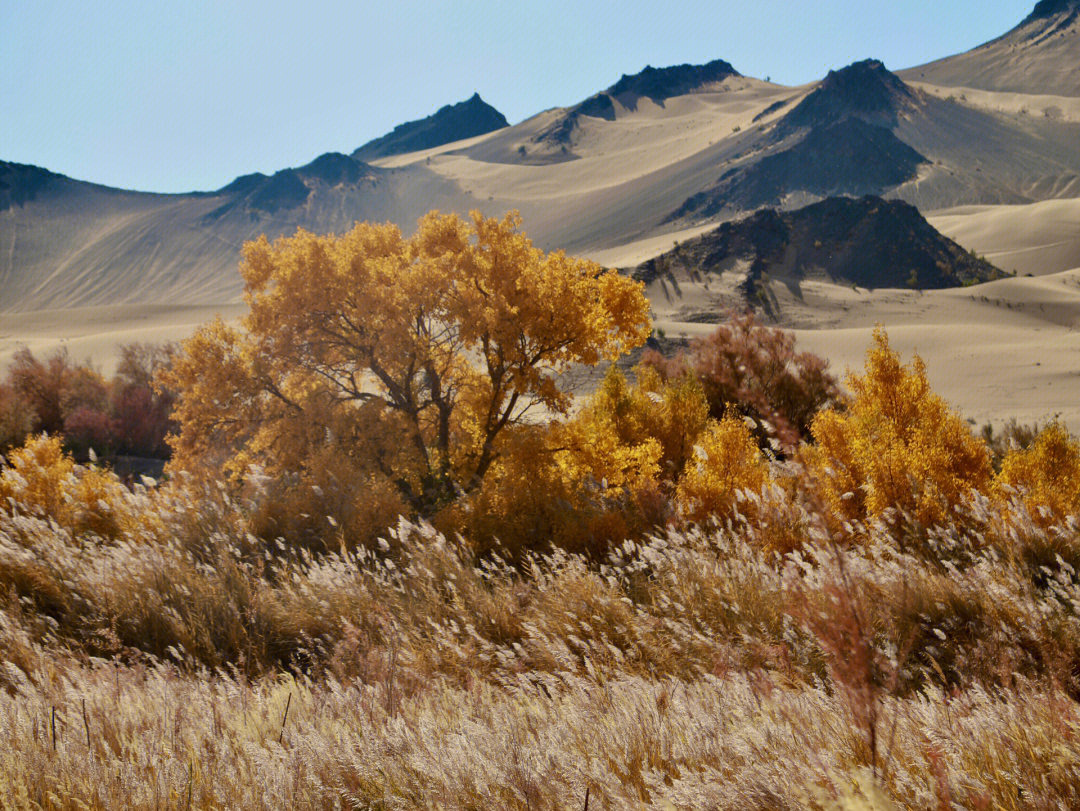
(171,96)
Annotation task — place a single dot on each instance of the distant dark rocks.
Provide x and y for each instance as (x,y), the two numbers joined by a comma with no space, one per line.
(1054,8)
(655,84)
(659,84)
(867,241)
(863,90)
(453,122)
(20,183)
(290,188)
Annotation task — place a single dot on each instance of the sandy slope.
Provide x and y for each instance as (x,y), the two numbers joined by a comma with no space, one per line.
(1038,56)
(94,333)
(1038,238)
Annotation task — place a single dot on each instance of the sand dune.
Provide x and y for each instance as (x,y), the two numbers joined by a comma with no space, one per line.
(1038,56)
(95,333)
(999,350)
(1038,238)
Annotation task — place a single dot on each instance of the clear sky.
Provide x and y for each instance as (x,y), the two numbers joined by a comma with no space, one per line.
(180,96)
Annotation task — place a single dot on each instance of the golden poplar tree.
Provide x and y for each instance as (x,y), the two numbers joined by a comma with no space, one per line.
(896,445)
(376,367)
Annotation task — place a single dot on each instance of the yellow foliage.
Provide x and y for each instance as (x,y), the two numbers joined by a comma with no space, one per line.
(598,478)
(1048,472)
(40,479)
(669,413)
(727,460)
(897,445)
(565,485)
(395,363)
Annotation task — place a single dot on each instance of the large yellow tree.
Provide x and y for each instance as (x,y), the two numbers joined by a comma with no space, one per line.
(374,363)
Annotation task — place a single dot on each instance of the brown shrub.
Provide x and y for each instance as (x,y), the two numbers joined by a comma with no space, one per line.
(754,369)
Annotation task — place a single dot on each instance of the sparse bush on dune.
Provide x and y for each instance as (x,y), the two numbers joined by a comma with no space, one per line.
(17,418)
(754,369)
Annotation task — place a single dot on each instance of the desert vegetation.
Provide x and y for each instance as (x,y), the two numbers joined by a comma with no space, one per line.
(394,565)
(126,415)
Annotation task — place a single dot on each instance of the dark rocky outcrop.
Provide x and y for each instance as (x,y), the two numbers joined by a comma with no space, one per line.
(867,241)
(863,90)
(290,188)
(656,84)
(659,84)
(20,183)
(450,123)
(1054,8)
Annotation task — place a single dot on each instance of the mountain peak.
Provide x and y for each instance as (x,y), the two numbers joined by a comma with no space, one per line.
(865,90)
(450,123)
(659,84)
(1052,8)
(860,73)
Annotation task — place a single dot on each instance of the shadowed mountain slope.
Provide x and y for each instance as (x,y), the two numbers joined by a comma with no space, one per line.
(454,122)
(867,241)
(837,140)
(848,157)
(864,131)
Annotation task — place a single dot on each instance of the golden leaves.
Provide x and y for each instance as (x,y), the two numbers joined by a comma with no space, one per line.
(408,357)
(1047,473)
(897,444)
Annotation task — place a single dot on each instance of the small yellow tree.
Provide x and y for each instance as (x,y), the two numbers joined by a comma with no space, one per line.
(39,478)
(373,363)
(897,445)
(727,462)
(1048,472)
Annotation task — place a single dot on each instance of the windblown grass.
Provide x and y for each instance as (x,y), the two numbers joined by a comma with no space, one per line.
(184,663)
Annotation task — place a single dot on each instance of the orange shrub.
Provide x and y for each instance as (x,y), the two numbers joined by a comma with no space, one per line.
(898,445)
(755,370)
(727,462)
(1047,473)
(40,479)
(558,486)
(671,413)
